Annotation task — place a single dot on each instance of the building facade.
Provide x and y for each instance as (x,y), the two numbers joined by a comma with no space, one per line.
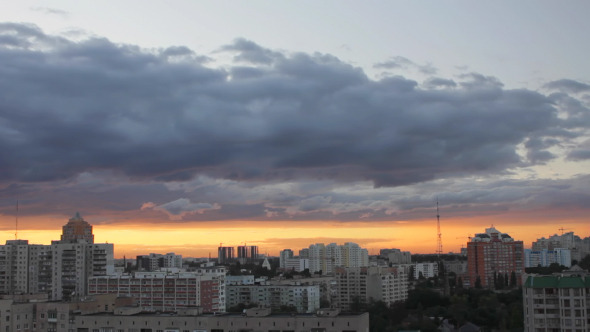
(159,291)
(426,270)
(155,262)
(326,258)
(558,302)
(494,253)
(247,253)
(305,298)
(545,257)
(362,284)
(284,255)
(578,247)
(61,269)
(225,254)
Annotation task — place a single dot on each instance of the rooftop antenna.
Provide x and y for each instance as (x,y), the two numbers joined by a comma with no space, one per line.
(439,237)
(16,221)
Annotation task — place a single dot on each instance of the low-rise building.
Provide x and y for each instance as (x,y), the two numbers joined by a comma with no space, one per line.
(387,284)
(305,298)
(159,291)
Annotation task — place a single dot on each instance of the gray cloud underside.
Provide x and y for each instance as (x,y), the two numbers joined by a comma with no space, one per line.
(165,116)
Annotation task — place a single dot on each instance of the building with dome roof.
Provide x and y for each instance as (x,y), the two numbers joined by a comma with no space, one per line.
(77,229)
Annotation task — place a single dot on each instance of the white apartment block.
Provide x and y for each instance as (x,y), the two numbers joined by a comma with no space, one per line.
(159,291)
(306,298)
(326,258)
(387,284)
(427,270)
(559,302)
(60,269)
(579,247)
(546,257)
(296,264)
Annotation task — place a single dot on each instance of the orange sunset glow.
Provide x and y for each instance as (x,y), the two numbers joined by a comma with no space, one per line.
(202,239)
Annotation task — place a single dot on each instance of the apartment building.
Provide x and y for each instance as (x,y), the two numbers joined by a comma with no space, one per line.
(114,314)
(426,270)
(546,257)
(492,253)
(326,258)
(155,262)
(305,298)
(387,284)
(160,291)
(284,255)
(578,247)
(559,302)
(60,269)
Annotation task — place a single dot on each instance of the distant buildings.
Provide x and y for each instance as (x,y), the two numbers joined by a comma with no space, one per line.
(325,258)
(560,302)
(61,269)
(156,262)
(225,255)
(396,256)
(426,270)
(545,257)
(579,247)
(247,253)
(491,254)
(284,255)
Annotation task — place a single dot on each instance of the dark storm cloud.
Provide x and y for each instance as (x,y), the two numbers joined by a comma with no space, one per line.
(567,85)
(154,117)
(97,105)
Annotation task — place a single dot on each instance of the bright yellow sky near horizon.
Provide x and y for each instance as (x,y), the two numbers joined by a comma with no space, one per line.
(202,239)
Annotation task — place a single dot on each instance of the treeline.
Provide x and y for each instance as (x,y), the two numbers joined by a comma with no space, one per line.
(426,308)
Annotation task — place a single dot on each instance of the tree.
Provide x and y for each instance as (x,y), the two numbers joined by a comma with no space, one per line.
(478,282)
(585,263)
(513,279)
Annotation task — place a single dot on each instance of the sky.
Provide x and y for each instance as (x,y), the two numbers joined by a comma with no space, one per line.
(177,126)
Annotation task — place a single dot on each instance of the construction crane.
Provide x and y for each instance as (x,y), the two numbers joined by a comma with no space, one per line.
(564,229)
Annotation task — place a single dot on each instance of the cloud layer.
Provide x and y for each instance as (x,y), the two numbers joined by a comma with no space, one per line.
(268,135)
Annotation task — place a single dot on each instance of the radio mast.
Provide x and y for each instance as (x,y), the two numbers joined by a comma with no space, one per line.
(439,238)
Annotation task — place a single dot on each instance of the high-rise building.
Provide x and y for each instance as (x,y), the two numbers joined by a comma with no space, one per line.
(327,257)
(60,270)
(494,253)
(559,302)
(77,229)
(284,255)
(247,253)
(225,254)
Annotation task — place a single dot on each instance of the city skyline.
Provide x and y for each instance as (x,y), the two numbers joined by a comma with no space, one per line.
(173,128)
